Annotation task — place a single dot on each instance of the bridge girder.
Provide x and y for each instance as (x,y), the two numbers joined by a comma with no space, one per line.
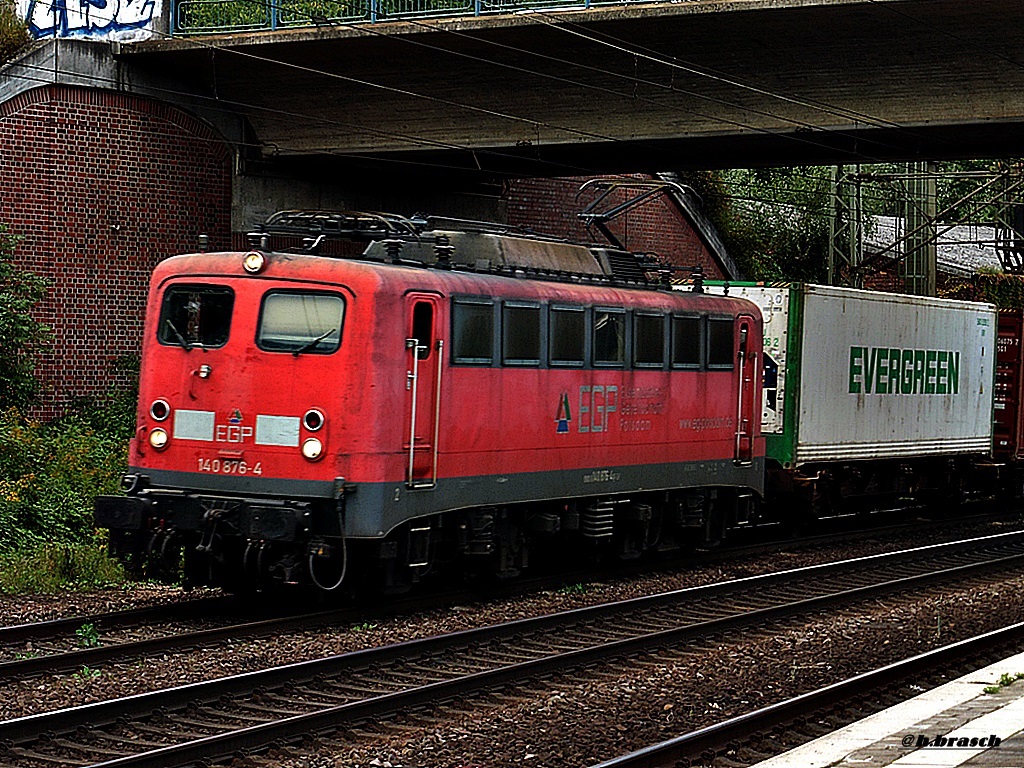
(634,88)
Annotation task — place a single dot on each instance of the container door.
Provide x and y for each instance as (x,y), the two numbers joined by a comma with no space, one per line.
(424,352)
(1007,428)
(746,399)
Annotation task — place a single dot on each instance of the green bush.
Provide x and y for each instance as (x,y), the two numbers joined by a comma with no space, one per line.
(13,31)
(1005,291)
(49,475)
(21,335)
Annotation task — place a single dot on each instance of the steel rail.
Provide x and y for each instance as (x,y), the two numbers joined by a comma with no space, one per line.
(222,746)
(55,629)
(51,628)
(718,736)
(26,729)
(90,657)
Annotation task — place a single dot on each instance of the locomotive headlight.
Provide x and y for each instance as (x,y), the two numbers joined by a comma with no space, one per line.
(158,438)
(312,449)
(254,262)
(313,420)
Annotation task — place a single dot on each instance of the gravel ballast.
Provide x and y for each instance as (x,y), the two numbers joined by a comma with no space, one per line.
(577,721)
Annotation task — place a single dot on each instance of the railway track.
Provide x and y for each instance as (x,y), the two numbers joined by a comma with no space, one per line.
(92,640)
(783,725)
(219,718)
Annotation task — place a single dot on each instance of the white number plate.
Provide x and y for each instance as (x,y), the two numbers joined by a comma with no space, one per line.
(230,467)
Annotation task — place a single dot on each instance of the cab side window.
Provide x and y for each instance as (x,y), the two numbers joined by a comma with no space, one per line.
(473,331)
(648,340)
(609,337)
(686,341)
(520,325)
(720,342)
(567,333)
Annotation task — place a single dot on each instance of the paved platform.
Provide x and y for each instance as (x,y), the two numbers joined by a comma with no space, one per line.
(957,724)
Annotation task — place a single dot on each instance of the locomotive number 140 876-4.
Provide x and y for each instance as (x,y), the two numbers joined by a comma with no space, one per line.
(230,467)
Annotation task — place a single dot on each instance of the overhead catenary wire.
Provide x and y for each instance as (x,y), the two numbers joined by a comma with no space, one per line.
(633,50)
(632,79)
(218,104)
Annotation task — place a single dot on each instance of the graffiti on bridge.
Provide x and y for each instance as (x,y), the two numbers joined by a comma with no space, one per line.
(98,19)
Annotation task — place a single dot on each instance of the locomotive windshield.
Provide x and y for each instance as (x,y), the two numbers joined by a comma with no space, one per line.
(196,316)
(300,322)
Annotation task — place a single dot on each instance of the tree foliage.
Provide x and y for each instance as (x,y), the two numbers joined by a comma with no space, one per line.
(21,335)
(775,221)
(1005,291)
(13,32)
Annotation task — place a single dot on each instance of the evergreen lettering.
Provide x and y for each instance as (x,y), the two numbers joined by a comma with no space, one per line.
(891,371)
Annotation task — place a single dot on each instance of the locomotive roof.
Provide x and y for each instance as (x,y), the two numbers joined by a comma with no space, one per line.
(366,276)
(458,243)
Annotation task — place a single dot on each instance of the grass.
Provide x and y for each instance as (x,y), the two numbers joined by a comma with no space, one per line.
(58,567)
(1006,680)
(574,589)
(88,637)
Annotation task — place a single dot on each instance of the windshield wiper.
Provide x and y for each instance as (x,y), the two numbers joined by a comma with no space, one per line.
(314,342)
(178,336)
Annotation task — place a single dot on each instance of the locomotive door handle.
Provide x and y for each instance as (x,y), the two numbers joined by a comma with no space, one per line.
(437,407)
(411,382)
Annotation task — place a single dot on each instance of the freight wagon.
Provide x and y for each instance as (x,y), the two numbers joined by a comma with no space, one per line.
(872,397)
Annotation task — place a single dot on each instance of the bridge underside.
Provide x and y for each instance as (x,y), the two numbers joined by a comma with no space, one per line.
(633,88)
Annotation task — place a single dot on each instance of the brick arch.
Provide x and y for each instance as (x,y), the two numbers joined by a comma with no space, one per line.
(97,97)
(101,186)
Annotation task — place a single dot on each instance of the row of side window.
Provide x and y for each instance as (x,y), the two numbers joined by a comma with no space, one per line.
(530,334)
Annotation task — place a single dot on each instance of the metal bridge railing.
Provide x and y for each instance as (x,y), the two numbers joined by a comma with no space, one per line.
(205,17)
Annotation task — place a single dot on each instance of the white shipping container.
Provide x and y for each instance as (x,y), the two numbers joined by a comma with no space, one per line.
(887,375)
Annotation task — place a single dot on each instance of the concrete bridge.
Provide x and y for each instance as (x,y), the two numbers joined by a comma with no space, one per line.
(631,87)
(626,88)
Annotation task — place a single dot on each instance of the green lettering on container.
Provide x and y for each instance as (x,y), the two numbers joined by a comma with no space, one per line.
(882,371)
(894,371)
(869,378)
(918,371)
(929,372)
(856,353)
(907,378)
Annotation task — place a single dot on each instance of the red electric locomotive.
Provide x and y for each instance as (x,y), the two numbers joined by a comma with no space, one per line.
(463,396)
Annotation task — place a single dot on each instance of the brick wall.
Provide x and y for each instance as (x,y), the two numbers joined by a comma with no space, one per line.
(102,186)
(550,206)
